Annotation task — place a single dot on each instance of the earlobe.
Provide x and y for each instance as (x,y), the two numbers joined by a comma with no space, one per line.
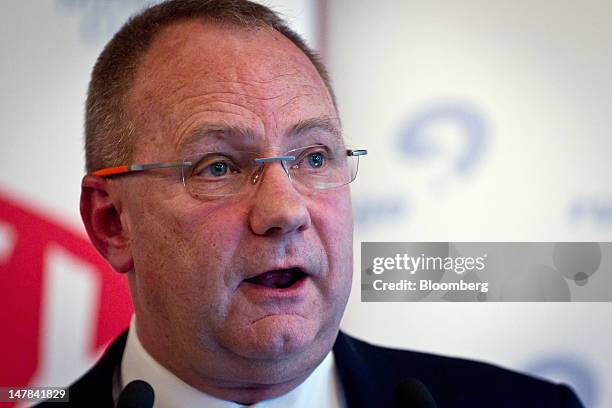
(102,219)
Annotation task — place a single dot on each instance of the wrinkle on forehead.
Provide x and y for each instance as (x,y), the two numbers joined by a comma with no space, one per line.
(214,86)
(260,82)
(228,133)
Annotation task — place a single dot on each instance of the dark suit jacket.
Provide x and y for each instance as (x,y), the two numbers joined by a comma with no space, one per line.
(369,375)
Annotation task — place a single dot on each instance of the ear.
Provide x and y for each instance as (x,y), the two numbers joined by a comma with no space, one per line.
(102,219)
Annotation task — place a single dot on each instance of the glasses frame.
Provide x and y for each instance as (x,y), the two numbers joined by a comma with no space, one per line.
(136,168)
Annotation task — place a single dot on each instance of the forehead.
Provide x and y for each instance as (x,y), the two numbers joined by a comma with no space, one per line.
(199,74)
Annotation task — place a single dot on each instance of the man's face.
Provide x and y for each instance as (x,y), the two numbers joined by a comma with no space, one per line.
(195,311)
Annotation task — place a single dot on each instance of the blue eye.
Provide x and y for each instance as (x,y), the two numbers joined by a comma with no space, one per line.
(214,167)
(218,169)
(316,160)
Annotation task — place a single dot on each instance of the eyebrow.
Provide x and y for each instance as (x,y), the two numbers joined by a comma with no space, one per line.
(211,129)
(326,124)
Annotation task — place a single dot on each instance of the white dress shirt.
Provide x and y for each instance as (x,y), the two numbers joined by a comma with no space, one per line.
(321,389)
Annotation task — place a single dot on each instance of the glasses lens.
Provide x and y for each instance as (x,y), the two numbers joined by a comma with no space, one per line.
(219,174)
(322,167)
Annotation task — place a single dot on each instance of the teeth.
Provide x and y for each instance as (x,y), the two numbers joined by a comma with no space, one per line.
(279,279)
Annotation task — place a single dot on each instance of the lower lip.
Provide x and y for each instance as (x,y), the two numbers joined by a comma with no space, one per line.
(294,292)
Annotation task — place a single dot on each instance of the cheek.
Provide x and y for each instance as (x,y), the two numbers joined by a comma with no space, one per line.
(181,254)
(332,219)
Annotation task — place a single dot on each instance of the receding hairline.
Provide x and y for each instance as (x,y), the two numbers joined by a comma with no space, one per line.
(232,28)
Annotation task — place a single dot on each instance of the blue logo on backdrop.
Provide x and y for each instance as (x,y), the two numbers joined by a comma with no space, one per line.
(100,19)
(417,138)
(425,136)
(593,211)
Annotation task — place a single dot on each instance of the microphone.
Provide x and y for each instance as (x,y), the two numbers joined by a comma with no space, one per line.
(137,394)
(412,393)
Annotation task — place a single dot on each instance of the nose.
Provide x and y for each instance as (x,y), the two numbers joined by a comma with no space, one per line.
(278,208)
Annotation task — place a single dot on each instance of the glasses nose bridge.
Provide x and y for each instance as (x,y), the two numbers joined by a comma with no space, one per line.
(262,161)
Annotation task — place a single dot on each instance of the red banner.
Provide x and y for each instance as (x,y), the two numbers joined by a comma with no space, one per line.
(57,294)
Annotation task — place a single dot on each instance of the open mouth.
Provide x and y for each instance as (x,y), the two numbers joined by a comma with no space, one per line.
(278,279)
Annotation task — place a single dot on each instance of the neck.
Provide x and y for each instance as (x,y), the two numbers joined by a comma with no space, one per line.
(235,378)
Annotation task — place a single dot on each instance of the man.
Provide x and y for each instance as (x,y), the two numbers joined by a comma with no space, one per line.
(218,182)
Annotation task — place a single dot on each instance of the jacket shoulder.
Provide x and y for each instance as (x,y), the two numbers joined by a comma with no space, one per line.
(95,387)
(456,381)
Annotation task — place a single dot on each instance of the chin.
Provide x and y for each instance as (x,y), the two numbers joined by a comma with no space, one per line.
(278,337)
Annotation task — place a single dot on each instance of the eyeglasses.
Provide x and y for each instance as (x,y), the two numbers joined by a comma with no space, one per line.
(219,174)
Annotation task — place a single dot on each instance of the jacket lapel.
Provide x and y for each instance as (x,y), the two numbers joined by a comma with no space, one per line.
(360,385)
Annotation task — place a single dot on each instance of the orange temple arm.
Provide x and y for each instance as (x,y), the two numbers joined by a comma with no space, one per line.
(111,171)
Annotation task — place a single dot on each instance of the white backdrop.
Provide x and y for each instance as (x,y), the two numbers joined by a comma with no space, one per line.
(484,121)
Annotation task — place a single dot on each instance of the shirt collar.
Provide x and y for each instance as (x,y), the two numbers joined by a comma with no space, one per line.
(321,389)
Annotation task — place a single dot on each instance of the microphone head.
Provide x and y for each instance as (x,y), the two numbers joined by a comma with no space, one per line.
(137,394)
(411,392)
